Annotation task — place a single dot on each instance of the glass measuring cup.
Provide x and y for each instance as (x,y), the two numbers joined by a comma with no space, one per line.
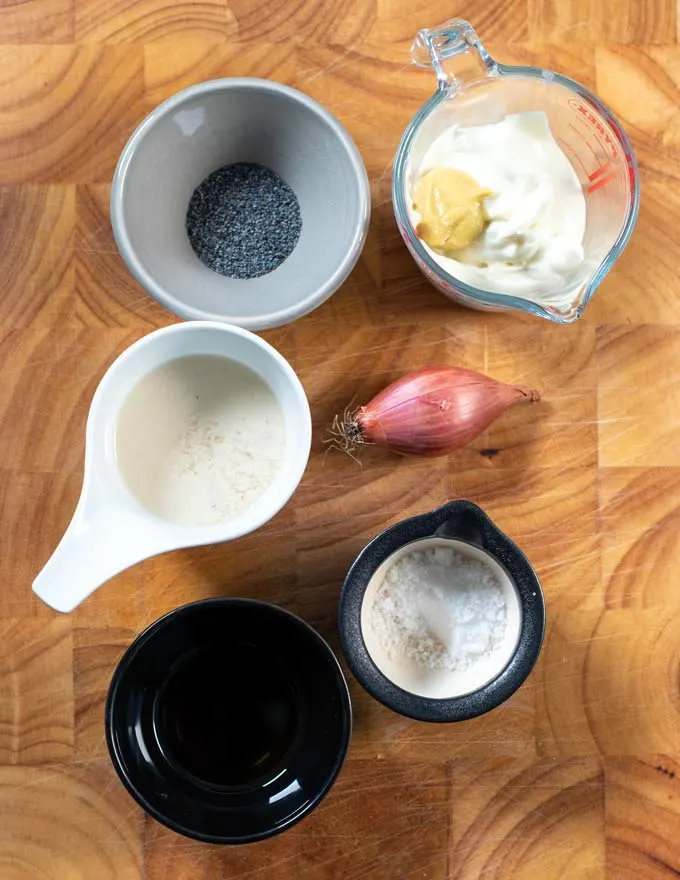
(474,89)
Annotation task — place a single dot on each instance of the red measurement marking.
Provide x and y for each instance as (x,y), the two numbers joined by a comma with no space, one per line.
(601,182)
(600,171)
(595,124)
(600,176)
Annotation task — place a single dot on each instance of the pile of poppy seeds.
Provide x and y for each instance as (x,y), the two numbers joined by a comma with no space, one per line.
(243,220)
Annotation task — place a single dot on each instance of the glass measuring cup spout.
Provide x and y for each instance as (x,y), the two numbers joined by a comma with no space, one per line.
(473,89)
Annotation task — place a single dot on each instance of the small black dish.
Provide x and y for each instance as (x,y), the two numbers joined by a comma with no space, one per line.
(467,524)
(228,720)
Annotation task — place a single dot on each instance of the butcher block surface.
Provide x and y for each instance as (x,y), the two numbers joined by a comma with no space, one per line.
(577,776)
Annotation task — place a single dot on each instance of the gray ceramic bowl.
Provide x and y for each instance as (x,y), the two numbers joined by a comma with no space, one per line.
(216,123)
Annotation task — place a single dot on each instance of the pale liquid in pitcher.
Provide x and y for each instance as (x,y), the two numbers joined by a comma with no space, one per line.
(200,439)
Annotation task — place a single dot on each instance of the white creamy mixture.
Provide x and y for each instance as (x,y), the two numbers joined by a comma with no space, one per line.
(200,439)
(533,242)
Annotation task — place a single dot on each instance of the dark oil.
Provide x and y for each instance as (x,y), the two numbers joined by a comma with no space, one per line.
(227,716)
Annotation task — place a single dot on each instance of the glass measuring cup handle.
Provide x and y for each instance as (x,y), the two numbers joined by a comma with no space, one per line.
(455,53)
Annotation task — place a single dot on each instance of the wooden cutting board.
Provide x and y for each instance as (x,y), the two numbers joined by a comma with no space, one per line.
(578,775)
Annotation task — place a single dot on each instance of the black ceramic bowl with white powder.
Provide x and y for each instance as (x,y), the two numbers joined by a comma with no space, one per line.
(442,616)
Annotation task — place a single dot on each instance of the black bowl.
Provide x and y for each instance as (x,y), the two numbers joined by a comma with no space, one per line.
(228,720)
(466,523)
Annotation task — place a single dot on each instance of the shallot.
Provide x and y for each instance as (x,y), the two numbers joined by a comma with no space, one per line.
(433,411)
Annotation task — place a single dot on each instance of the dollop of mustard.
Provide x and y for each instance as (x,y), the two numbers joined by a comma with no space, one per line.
(450,204)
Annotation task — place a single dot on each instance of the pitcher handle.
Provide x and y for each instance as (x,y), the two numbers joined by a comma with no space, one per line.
(455,52)
(100,541)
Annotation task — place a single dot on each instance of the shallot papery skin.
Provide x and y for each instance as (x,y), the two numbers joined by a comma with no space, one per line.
(432,411)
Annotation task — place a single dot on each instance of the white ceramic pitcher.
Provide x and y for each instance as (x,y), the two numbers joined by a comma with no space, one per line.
(110,529)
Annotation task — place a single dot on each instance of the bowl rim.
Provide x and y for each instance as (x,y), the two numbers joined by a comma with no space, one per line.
(531,599)
(266,320)
(128,658)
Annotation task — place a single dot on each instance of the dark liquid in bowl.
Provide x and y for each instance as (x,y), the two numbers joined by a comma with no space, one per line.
(228,716)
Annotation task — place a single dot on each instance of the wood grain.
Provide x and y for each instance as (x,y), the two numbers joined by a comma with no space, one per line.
(347,839)
(528,819)
(577,776)
(127,21)
(637,427)
(36,700)
(640,537)
(104,293)
(96,650)
(605,21)
(38,21)
(38,281)
(59,822)
(642,811)
(67,111)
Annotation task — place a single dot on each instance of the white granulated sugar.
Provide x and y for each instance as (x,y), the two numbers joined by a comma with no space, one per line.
(441,609)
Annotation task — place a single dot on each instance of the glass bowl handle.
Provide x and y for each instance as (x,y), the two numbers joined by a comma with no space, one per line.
(455,53)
